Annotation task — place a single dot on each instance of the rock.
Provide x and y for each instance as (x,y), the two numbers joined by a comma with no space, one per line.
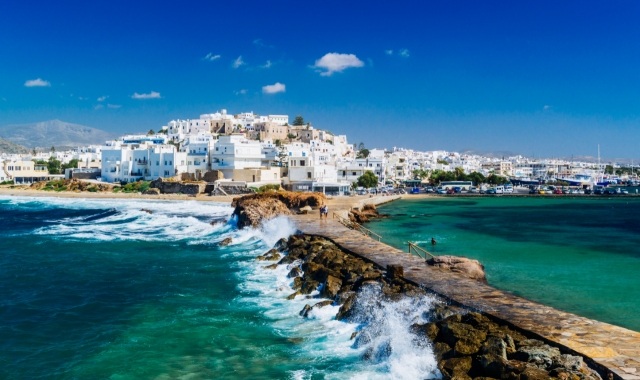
(542,356)
(252,209)
(152,191)
(297,283)
(225,242)
(395,272)
(305,310)
(270,255)
(271,266)
(146,210)
(467,267)
(456,367)
(295,272)
(331,286)
(346,310)
(281,244)
(533,373)
(464,338)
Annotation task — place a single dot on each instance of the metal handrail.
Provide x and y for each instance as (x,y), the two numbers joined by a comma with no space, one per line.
(418,248)
(356,226)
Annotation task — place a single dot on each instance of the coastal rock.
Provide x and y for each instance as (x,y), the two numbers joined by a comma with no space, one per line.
(252,209)
(363,215)
(467,267)
(270,255)
(225,242)
(152,191)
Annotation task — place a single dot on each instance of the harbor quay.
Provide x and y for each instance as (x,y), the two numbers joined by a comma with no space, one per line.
(614,351)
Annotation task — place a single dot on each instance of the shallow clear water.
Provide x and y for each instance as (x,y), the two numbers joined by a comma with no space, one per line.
(581,255)
(103,289)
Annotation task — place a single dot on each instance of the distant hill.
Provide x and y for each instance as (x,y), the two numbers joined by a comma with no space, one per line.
(7,146)
(56,133)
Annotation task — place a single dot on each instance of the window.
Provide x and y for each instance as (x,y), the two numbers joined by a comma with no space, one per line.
(302,162)
(309,175)
(353,173)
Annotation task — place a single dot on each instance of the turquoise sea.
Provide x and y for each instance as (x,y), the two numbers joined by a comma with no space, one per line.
(137,289)
(579,254)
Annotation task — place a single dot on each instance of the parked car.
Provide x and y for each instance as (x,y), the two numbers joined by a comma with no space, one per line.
(598,190)
(457,189)
(473,190)
(491,190)
(441,190)
(588,191)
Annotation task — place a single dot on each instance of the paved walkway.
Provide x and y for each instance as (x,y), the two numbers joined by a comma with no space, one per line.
(614,348)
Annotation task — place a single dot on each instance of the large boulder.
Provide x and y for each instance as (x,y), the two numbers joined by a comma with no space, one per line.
(252,209)
(467,267)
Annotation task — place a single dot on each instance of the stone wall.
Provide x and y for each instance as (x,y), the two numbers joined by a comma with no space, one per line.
(171,187)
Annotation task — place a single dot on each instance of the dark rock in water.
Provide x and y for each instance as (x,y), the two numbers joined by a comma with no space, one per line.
(146,210)
(225,242)
(271,266)
(270,255)
(305,310)
(281,244)
(295,272)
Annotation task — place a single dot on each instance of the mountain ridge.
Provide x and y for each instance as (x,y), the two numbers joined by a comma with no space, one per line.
(56,133)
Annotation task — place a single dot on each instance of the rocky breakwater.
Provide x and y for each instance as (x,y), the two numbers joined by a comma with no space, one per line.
(251,210)
(467,344)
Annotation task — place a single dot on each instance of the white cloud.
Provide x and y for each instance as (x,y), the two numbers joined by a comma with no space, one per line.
(404,53)
(241,92)
(151,95)
(388,52)
(114,106)
(267,65)
(238,62)
(334,62)
(98,107)
(273,88)
(102,98)
(212,57)
(39,82)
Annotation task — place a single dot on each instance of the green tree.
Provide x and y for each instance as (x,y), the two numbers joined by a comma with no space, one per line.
(420,174)
(363,153)
(608,169)
(69,165)
(298,121)
(291,136)
(53,149)
(53,165)
(494,179)
(151,132)
(368,179)
(476,178)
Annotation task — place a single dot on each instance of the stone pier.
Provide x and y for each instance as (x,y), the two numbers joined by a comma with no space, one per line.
(613,350)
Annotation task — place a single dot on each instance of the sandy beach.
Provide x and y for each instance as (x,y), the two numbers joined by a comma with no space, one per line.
(334,203)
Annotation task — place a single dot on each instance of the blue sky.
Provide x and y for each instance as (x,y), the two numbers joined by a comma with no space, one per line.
(539,78)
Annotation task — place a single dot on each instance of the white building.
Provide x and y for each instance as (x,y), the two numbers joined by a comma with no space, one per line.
(122,162)
(233,152)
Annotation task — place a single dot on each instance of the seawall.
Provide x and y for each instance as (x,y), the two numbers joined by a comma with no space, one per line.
(613,350)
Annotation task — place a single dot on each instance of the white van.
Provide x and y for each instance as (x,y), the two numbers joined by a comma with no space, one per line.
(499,189)
(508,189)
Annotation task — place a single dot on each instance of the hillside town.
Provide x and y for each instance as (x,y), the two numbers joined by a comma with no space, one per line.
(247,150)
